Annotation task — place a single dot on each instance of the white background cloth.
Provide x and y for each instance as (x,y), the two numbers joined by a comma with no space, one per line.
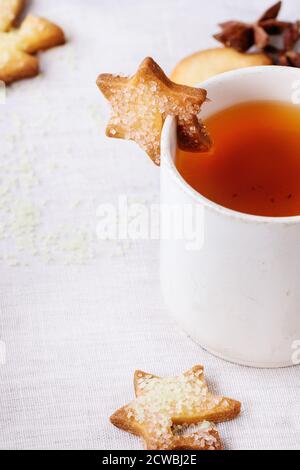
(74,334)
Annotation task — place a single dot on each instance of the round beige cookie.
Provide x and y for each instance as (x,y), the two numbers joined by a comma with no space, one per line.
(202,65)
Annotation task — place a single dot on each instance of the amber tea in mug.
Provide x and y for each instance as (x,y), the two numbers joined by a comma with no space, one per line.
(254,165)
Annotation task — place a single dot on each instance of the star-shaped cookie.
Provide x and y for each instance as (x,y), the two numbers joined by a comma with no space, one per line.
(18,44)
(142,102)
(175,413)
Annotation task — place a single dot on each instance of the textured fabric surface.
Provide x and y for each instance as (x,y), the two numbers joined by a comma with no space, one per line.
(74,334)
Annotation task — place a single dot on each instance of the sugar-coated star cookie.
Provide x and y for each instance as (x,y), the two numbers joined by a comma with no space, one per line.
(175,413)
(142,102)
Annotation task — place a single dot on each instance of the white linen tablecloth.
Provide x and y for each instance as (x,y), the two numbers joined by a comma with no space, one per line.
(77,317)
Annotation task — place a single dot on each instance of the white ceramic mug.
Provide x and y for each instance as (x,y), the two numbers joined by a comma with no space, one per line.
(239,294)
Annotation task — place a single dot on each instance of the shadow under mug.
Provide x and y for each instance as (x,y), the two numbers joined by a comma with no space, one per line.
(238,293)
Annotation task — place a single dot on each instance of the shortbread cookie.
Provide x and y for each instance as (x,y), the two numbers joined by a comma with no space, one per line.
(142,102)
(202,65)
(165,408)
(17,45)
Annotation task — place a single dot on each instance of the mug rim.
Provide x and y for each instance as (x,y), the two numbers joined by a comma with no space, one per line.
(168,162)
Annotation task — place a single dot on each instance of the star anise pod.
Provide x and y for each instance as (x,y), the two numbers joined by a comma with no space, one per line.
(292,36)
(287,56)
(242,36)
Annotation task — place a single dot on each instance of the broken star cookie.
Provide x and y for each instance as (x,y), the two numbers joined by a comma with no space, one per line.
(18,44)
(175,413)
(142,102)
